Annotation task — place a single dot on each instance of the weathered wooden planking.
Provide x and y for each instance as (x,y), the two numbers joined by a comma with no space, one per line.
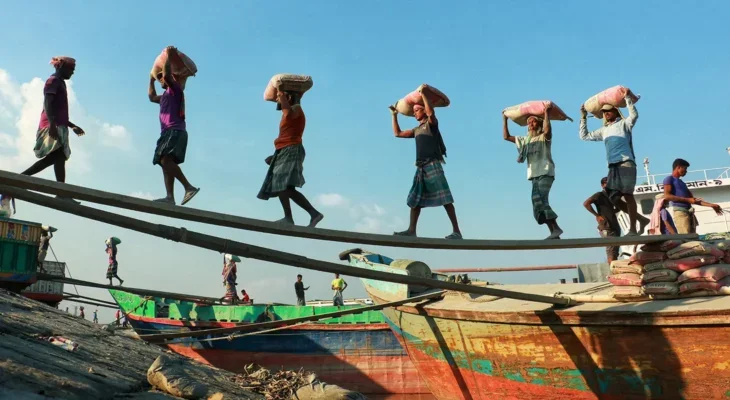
(260,253)
(231,221)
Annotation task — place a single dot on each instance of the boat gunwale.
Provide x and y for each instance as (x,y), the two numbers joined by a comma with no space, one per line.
(220,324)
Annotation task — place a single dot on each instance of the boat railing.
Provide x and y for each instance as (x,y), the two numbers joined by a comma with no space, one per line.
(693,175)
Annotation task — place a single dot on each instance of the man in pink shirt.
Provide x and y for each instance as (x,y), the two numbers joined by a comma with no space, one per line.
(52,141)
(173,141)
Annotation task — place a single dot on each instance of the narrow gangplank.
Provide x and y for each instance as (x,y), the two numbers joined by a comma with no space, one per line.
(159,337)
(10,179)
(222,245)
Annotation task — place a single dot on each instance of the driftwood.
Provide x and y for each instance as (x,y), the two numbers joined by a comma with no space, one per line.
(285,385)
(170,377)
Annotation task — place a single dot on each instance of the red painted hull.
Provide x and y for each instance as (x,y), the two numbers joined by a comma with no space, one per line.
(390,374)
(50,299)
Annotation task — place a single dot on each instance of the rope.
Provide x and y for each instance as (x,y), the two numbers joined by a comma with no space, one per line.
(67,267)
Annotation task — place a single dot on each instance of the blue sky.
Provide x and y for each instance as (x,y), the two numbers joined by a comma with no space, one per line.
(362,56)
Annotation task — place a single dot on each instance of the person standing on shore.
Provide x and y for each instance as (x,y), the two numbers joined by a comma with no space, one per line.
(616,133)
(338,285)
(681,199)
(52,139)
(286,166)
(299,290)
(173,142)
(430,188)
(535,149)
(81,313)
(96,316)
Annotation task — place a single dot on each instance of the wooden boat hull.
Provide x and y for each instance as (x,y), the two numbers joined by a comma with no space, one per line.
(365,356)
(465,353)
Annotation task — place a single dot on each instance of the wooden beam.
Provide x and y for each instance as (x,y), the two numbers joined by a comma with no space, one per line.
(288,322)
(90,303)
(259,253)
(507,269)
(231,221)
(69,296)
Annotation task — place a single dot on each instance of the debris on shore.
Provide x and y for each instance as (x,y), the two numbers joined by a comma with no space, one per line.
(46,353)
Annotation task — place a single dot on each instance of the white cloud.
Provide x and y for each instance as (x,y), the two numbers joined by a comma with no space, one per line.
(20,110)
(143,195)
(332,200)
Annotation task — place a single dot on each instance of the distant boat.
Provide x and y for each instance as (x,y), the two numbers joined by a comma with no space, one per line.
(483,347)
(358,352)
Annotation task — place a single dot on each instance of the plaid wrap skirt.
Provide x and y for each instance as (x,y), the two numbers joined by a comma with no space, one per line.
(430,188)
(286,170)
(540,199)
(621,180)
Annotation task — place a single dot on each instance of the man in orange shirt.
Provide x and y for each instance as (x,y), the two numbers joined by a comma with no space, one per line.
(286,166)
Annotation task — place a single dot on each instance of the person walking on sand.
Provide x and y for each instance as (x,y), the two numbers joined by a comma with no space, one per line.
(173,142)
(111,271)
(286,166)
(299,290)
(338,285)
(535,148)
(96,316)
(681,199)
(430,188)
(52,140)
(616,133)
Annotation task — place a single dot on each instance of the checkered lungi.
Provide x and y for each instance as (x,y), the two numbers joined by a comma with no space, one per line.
(621,179)
(286,170)
(540,199)
(430,188)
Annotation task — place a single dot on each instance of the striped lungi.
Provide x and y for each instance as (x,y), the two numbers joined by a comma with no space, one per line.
(45,144)
(621,180)
(540,199)
(430,188)
(111,271)
(286,170)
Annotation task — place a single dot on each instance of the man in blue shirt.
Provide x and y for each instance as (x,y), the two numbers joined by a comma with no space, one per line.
(681,199)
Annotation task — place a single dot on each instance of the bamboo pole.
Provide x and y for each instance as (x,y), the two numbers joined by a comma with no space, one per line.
(208,217)
(260,253)
(507,269)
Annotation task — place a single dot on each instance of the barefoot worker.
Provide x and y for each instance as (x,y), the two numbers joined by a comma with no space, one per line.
(111,250)
(173,141)
(535,148)
(52,140)
(430,188)
(286,166)
(616,133)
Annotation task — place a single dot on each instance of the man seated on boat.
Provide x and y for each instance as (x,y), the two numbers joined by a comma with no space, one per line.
(338,285)
(299,290)
(681,199)
(535,149)
(616,132)
(605,213)
(430,188)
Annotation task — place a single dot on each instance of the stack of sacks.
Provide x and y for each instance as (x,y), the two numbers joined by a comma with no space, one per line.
(626,278)
(683,260)
(435,97)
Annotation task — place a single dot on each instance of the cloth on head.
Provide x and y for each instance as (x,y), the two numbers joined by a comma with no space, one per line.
(59,61)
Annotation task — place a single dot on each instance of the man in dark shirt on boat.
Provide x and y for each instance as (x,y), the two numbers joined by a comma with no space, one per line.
(430,188)
(681,199)
(299,289)
(605,213)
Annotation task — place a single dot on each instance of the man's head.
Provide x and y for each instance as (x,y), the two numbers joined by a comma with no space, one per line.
(243,291)
(419,112)
(534,125)
(604,182)
(680,166)
(610,113)
(299,278)
(65,66)
(337,275)
(291,97)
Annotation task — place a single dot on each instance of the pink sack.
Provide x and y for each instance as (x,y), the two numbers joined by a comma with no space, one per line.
(519,113)
(627,292)
(435,97)
(618,267)
(625,279)
(287,83)
(668,288)
(647,257)
(695,248)
(688,263)
(709,273)
(660,275)
(610,96)
(182,68)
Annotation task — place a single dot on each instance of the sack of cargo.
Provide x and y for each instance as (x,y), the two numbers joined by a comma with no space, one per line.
(647,257)
(709,273)
(627,292)
(611,96)
(231,257)
(114,240)
(624,267)
(688,263)
(625,279)
(287,83)
(519,113)
(695,248)
(723,245)
(435,97)
(182,68)
(661,246)
(666,288)
(660,275)
(696,286)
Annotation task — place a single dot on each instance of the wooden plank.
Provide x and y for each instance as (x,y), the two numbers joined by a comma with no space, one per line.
(231,221)
(507,269)
(259,253)
(70,296)
(288,322)
(75,300)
